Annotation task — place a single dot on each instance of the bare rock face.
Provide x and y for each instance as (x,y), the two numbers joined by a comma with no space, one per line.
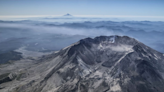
(102,64)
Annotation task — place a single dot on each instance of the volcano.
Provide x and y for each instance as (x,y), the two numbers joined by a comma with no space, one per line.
(68,14)
(100,64)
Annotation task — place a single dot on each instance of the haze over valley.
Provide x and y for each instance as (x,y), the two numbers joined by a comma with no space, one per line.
(53,34)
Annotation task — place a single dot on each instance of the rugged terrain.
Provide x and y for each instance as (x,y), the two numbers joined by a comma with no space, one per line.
(102,64)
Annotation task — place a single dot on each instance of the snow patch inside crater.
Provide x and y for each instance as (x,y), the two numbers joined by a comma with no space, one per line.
(112,39)
(121,48)
(118,48)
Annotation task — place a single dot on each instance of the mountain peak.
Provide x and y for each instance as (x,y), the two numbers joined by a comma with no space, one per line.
(67,14)
(101,43)
(109,40)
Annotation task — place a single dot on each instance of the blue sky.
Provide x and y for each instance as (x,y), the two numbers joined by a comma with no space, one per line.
(82,7)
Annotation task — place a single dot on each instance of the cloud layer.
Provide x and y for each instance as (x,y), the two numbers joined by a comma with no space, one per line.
(42,36)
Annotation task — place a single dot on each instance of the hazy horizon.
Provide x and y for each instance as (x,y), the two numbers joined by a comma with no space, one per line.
(135,9)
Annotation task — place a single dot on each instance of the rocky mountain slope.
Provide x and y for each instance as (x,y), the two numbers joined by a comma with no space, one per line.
(102,64)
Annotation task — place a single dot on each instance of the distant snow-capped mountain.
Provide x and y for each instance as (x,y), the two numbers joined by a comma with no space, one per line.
(67,14)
